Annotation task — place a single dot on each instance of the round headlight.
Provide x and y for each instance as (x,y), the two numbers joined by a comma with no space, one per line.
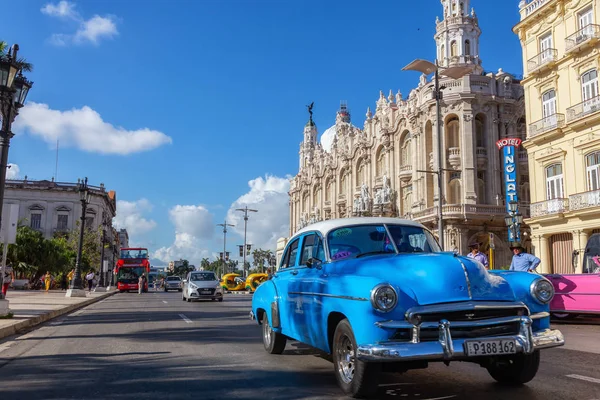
(384,297)
(542,290)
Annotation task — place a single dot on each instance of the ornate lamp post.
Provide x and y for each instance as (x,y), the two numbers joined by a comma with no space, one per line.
(427,68)
(14,88)
(76,289)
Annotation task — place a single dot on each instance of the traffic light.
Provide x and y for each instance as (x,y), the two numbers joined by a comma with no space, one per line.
(241,246)
(227,256)
(248,247)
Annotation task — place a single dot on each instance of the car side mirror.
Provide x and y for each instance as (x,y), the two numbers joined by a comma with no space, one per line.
(314,263)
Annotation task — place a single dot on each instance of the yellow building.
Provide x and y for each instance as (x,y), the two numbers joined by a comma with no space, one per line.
(561,57)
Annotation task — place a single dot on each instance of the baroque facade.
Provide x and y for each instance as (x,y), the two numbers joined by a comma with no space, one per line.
(561,57)
(387,167)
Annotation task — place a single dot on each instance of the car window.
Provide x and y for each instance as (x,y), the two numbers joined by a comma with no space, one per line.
(307,248)
(289,259)
(173,278)
(203,276)
(320,253)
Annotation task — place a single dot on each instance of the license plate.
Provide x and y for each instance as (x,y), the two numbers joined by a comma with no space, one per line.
(490,347)
(205,292)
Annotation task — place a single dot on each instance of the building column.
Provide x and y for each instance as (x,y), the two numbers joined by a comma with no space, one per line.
(543,253)
(468,148)
(583,238)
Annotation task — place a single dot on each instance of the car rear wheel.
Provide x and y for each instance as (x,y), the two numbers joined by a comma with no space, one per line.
(356,378)
(517,369)
(274,342)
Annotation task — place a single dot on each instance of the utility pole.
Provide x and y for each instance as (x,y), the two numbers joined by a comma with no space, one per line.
(245,211)
(224,225)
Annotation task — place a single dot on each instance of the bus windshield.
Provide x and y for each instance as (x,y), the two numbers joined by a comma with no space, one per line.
(134,253)
(130,275)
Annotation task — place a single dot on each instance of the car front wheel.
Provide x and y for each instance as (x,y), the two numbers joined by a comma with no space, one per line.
(517,369)
(356,378)
(274,342)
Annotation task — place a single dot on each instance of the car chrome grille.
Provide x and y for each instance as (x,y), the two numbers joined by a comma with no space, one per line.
(472,315)
(432,334)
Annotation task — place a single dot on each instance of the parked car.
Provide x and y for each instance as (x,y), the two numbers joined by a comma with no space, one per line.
(379,295)
(201,285)
(173,283)
(579,294)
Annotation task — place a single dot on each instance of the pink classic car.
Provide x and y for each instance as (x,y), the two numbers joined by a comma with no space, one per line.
(577,294)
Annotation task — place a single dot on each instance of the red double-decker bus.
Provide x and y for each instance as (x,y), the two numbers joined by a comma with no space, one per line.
(132,263)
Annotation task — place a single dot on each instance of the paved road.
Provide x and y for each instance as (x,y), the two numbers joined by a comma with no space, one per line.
(155,346)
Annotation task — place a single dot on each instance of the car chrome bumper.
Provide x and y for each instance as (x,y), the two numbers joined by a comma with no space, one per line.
(446,348)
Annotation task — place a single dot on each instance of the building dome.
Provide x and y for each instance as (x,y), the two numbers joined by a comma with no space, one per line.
(327,138)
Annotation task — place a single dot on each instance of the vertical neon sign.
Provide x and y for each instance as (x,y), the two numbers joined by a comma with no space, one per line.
(509,147)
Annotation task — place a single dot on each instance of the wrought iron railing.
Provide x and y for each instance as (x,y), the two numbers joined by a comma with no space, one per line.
(582,36)
(584,200)
(541,59)
(532,6)
(549,207)
(546,124)
(584,108)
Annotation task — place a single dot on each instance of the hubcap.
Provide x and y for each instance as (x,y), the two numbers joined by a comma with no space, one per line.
(345,359)
(267,332)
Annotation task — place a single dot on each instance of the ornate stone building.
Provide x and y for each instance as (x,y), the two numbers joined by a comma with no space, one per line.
(387,167)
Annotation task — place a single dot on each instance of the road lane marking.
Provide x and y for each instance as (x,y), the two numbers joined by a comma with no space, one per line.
(584,378)
(186,319)
(165,302)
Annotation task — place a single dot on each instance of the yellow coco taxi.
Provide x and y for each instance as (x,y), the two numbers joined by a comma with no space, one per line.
(232,282)
(254,280)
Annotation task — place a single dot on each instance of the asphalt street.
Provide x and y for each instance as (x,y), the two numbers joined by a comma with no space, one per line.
(154,346)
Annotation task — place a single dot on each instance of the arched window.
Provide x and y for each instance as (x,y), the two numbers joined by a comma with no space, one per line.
(406,200)
(455,191)
(361,176)
(380,166)
(467,48)
(453,132)
(405,156)
(328,190)
(453,49)
(317,197)
(549,103)
(480,131)
(442,53)
(429,156)
(589,90)
(481,195)
(524,196)
(344,182)
(592,162)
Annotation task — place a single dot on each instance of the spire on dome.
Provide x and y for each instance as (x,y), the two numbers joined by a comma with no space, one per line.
(343,114)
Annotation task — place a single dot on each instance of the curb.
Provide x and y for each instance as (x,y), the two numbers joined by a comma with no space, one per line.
(31,322)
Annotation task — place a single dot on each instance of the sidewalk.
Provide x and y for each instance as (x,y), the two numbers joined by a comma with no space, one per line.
(32,307)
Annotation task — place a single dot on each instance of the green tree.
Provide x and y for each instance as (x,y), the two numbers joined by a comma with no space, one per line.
(23,64)
(91,249)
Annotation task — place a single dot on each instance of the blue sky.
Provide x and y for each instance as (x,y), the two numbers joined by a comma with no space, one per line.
(221,89)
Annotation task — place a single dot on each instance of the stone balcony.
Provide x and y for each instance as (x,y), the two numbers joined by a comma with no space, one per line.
(549,207)
(454,157)
(546,124)
(583,109)
(584,201)
(459,20)
(460,211)
(587,35)
(528,7)
(406,173)
(546,58)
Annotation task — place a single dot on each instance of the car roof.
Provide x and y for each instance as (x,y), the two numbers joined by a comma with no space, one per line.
(324,227)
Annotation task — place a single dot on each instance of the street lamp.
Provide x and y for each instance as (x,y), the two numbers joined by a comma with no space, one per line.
(76,289)
(428,68)
(245,210)
(513,221)
(105,225)
(224,225)
(14,88)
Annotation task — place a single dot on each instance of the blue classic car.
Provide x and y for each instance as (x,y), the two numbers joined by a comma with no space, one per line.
(379,295)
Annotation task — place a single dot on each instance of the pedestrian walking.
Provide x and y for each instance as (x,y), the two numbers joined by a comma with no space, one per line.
(141,283)
(477,255)
(90,280)
(63,281)
(523,261)
(9,276)
(47,280)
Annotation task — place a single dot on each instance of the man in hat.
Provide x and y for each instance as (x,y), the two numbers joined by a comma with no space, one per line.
(523,261)
(477,255)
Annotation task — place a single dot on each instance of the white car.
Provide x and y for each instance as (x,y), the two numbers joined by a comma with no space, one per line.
(201,285)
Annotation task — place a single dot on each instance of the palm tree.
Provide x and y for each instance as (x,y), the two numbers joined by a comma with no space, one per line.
(21,62)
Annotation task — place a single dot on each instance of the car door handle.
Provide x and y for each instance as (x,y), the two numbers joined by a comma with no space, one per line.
(295,272)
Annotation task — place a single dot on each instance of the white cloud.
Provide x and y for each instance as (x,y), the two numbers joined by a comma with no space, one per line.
(130,216)
(194,229)
(96,28)
(84,128)
(270,197)
(13,171)
(89,31)
(62,9)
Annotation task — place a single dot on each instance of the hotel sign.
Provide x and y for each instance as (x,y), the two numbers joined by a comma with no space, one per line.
(509,147)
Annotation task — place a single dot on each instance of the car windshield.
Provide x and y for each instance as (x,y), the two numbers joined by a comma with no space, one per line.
(203,276)
(134,253)
(173,278)
(361,240)
(130,275)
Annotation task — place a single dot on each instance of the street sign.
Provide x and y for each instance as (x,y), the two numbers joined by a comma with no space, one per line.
(10,219)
